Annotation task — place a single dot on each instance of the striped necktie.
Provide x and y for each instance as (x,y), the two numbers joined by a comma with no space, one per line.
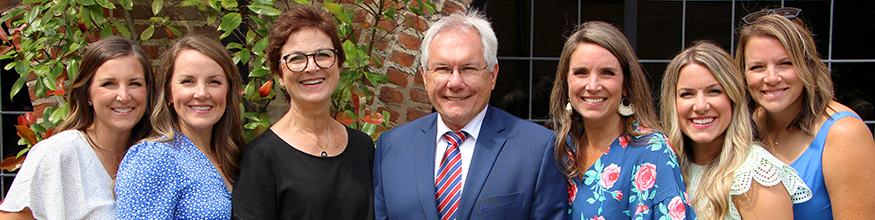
(448,186)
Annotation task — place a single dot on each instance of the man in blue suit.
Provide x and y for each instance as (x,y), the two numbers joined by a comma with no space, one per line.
(470,160)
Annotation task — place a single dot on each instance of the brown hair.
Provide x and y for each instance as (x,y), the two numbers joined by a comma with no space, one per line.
(294,20)
(227,136)
(80,115)
(799,44)
(634,84)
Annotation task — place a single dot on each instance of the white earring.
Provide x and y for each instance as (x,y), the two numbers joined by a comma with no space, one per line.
(568,108)
(624,109)
(89,103)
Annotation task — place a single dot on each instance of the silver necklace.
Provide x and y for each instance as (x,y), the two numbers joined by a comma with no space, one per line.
(323,154)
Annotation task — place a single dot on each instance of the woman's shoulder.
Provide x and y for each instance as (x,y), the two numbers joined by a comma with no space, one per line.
(65,143)
(767,170)
(159,147)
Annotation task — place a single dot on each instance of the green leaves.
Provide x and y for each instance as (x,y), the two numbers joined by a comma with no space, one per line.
(230,21)
(157,5)
(262,9)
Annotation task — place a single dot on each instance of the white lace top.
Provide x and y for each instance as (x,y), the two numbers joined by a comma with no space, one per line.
(62,179)
(761,166)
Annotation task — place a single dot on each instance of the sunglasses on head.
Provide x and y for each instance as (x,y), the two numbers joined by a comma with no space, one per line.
(787,12)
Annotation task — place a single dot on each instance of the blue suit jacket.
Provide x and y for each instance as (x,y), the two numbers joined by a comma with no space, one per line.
(513,173)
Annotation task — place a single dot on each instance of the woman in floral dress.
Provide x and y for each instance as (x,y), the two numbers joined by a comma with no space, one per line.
(618,165)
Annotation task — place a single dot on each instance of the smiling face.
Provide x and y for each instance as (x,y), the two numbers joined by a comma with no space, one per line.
(198,90)
(771,76)
(703,107)
(314,84)
(118,94)
(458,97)
(595,84)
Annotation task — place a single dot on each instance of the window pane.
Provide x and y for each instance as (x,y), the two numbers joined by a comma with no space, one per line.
(659,29)
(815,14)
(655,72)
(553,21)
(542,85)
(854,86)
(711,21)
(510,21)
(850,39)
(512,87)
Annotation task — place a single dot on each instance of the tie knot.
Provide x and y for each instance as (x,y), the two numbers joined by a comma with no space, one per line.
(456,137)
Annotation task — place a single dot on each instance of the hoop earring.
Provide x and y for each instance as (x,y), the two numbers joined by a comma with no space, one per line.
(624,109)
(568,108)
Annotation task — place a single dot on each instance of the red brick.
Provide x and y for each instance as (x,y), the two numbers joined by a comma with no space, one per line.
(414,113)
(420,96)
(387,24)
(7,4)
(397,77)
(391,95)
(39,109)
(152,52)
(393,115)
(451,7)
(360,16)
(381,44)
(418,23)
(139,12)
(401,58)
(371,100)
(409,41)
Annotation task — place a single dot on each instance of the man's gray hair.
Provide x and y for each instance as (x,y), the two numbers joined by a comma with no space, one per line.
(472,20)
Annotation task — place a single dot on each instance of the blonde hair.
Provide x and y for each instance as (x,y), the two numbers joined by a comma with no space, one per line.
(799,44)
(227,136)
(711,200)
(634,84)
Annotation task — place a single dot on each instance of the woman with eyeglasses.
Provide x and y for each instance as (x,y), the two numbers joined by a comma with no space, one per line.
(795,114)
(617,162)
(186,168)
(707,121)
(307,165)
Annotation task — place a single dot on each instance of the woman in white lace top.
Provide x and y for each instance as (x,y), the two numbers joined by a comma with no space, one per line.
(707,121)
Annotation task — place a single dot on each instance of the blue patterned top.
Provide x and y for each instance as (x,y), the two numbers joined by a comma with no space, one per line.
(637,178)
(170,180)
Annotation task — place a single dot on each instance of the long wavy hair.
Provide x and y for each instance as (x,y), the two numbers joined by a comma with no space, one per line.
(227,136)
(813,73)
(634,83)
(80,115)
(711,199)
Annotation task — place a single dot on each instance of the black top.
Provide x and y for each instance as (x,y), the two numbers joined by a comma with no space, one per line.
(277,181)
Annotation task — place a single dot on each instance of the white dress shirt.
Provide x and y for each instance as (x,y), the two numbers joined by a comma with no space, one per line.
(466,148)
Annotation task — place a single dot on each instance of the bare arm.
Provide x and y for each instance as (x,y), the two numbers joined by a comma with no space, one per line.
(23,214)
(764,202)
(847,154)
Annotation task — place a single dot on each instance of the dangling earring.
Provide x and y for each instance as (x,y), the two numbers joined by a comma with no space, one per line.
(568,108)
(624,109)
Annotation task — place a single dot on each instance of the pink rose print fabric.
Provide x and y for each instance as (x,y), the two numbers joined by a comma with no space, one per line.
(637,178)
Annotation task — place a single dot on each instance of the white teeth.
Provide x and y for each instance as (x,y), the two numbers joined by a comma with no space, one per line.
(202,108)
(123,110)
(454,99)
(311,82)
(773,92)
(703,120)
(599,100)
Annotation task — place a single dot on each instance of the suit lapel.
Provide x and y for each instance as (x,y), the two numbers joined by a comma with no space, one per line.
(424,161)
(489,144)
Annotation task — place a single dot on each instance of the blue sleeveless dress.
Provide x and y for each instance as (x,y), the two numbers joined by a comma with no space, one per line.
(809,166)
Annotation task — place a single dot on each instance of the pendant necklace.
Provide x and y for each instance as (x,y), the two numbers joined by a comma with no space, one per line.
(323,154)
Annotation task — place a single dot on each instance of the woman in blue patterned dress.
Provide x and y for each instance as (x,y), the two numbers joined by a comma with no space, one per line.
(707,121)
(618,164)
(794,111)
(185,169)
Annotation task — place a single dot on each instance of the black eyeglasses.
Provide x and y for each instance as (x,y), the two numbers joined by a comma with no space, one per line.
(297,61)
(787,12)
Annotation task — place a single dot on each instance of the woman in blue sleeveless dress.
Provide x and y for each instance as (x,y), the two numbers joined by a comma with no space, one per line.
(795,114)
(618,164)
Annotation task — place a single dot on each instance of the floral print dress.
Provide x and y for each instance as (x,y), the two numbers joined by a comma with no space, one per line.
(637,178)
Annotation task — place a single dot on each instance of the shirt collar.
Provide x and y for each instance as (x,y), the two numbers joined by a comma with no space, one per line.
(473,127)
